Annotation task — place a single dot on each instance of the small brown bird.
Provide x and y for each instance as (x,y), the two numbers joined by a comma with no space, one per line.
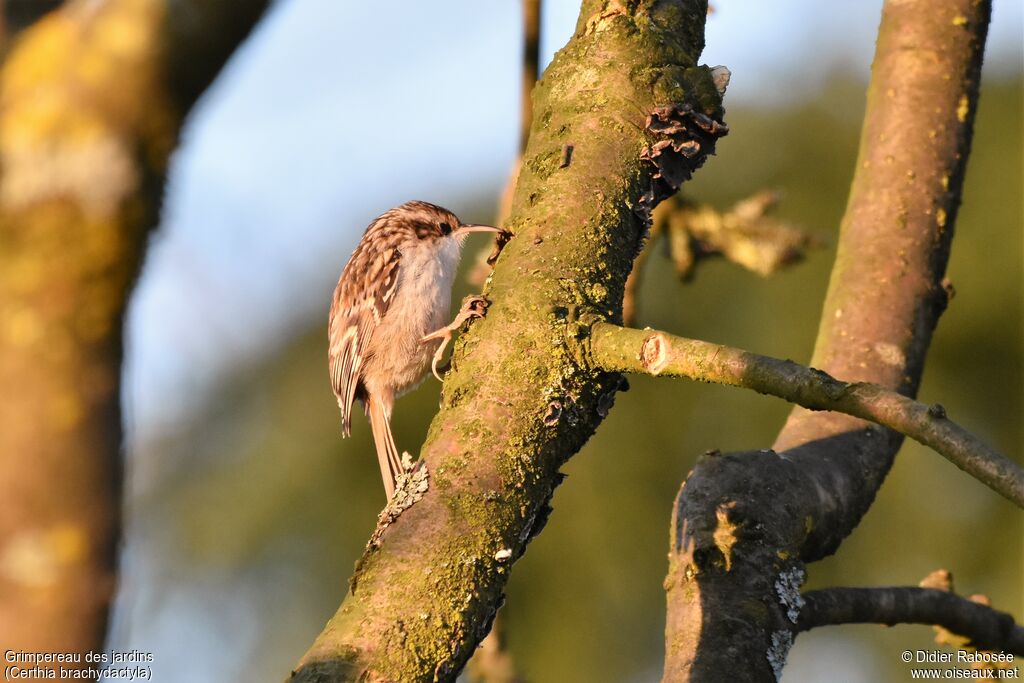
(388,313)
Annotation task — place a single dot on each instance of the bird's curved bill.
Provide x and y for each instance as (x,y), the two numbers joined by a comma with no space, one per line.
(477,228)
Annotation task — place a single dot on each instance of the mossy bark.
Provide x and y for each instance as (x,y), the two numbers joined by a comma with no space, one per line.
(732,615)
(89,116)
(520,400)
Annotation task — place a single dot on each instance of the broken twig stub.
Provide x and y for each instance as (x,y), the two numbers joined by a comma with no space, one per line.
(654,353)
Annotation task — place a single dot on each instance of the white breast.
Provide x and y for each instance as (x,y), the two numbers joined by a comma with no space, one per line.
(422,304)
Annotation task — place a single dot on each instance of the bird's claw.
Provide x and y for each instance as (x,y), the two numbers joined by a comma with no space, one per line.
(473,306)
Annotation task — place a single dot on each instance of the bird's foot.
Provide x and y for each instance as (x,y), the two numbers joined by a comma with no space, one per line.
(473,306)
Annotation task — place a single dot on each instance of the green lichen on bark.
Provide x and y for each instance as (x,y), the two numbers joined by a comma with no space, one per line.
(520,399)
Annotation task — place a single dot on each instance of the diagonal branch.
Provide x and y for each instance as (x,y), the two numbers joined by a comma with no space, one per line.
(987,628)
(627,94)
(621,349)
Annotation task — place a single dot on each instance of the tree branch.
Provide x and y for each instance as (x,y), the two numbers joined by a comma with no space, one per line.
(887,289)
(744,523)
(492,662)
(987,628)
(627,93)
(620,349)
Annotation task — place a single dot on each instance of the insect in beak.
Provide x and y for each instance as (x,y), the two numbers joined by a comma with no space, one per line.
(463,229)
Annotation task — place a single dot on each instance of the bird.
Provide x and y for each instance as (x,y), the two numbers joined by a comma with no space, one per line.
(387,318)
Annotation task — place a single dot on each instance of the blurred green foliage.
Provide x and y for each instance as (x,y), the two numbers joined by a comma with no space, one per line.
(264,486)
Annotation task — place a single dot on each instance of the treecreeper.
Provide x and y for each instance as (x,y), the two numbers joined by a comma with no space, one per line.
(387,319)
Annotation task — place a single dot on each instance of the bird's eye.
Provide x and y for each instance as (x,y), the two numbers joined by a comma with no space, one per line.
(446,228)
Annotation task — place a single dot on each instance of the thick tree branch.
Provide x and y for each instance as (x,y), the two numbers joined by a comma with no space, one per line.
(619,349)
(744,523)
(986,628)
(627,94)
(887,289)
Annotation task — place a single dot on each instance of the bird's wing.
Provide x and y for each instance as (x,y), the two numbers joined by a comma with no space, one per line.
(364,293)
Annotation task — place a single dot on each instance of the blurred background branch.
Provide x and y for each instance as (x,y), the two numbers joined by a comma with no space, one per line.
(492,662)
(90,114)
(531,68)
(484,259)
(745,235)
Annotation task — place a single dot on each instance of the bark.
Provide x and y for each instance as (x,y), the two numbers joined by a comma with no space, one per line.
(520,399)
(744,523)
(89,115)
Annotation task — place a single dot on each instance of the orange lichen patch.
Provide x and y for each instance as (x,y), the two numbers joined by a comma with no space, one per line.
(600,21)
(940,579)
(963,108)
(23,275)
(41,55)
(38,558)
(20,326)
(126,33)
(66,411)
(725,532)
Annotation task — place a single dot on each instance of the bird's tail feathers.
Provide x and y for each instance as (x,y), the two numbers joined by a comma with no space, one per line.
(387,453)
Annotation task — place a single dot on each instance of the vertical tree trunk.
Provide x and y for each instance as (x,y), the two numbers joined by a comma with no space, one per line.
(89,115)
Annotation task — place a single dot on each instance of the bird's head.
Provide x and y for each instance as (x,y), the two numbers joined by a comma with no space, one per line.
(431,222)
